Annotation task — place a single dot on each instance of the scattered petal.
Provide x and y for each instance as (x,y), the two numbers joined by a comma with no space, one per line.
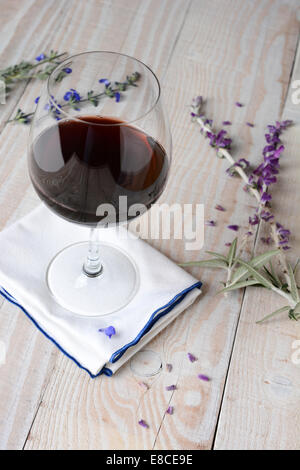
(235,228)
(171,387)
(226,123)
(249,124)
(40,57)
(254,220)
(67,70)
(210,223)
(143,423)
(228,244)
(143,385)
(117,96)
(238,104)
(204,377)
(169,367)
(109,331)
(170,410)
(37,100)
(191,357)
(218,207)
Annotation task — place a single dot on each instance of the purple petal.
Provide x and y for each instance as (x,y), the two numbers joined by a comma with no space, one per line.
(143,423)
(210,223)
(117,96)
(169,367)
(191,357)
(226,123)
(233,227)
(249,124)
(239,105)
(171,387)
(170,410)
(204,377)
(109,331)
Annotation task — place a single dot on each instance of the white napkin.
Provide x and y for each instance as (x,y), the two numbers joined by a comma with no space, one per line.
(165,291)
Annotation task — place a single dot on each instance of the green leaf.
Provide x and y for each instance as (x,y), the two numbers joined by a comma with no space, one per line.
(256,262)
(256,274)
(218,255)
(232,252)
(209,263)
(294,289)
(240,285)
(282,309)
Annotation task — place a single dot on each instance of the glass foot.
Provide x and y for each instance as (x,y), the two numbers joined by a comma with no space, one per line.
(146,363)
(87,296)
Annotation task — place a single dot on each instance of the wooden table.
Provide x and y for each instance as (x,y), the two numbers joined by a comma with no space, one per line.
(227,50)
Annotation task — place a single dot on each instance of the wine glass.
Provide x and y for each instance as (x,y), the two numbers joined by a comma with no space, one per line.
(99,155)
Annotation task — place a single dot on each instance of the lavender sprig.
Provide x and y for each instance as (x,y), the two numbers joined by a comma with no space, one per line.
(74,99)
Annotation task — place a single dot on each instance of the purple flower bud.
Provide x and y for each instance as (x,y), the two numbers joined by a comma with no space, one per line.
(210,223)
(254,220)
(105,81)
(266,216)
(267,240)
(198,101)
(268,180)
(220,208)
(265,197)
(37,100)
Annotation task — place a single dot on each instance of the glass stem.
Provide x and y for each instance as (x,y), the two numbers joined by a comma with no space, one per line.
(92,266)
